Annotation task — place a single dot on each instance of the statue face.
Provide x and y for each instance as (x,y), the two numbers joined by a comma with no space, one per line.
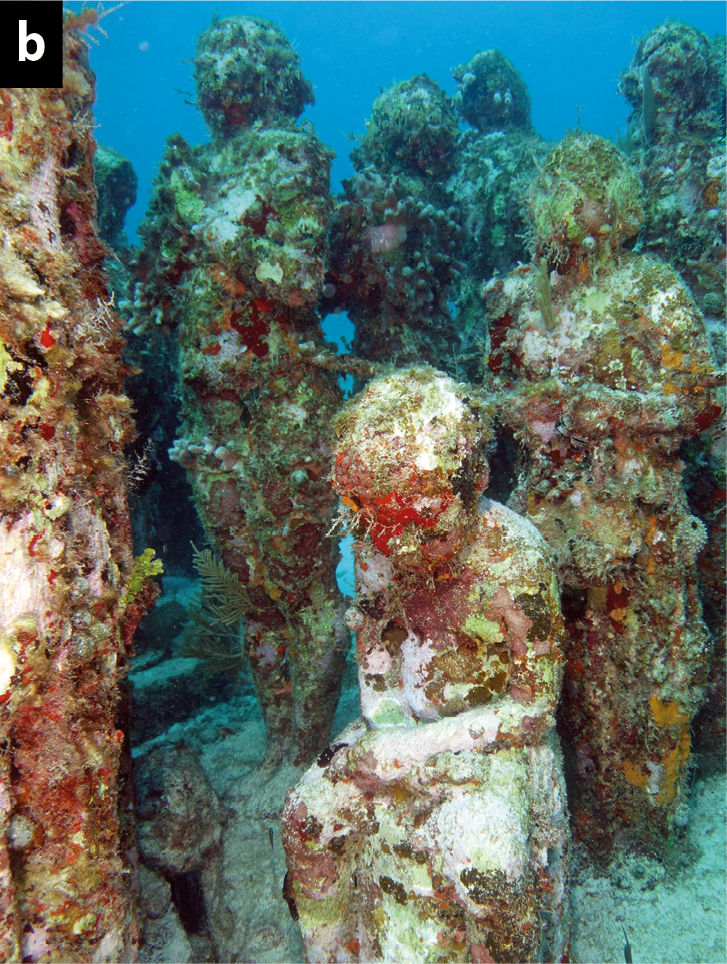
(414,529)
(409,463)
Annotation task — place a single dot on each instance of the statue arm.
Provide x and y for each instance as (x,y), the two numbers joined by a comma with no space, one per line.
(389,754)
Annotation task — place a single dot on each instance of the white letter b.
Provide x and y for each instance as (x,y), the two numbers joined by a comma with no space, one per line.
(24,37)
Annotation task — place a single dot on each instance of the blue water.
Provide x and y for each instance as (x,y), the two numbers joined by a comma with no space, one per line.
(570,54)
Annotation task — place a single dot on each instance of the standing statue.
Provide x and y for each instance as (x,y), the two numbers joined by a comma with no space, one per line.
(675,86)
(394,236)
(435,828)
(604,368)
(235,246)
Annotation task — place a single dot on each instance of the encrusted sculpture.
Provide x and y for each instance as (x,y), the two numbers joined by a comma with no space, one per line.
(235,248)
(434,829)
(676,140)
(496,159)
(606,367)
(394,238)
(675,86)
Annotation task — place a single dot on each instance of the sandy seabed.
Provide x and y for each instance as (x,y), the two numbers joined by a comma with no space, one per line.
(673,910)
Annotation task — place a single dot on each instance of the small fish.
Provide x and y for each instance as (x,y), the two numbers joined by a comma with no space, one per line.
(226,731)
(325,758)
(288,896)
(628,957)
(272,838)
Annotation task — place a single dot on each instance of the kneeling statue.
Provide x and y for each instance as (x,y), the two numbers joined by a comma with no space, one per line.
(435,827)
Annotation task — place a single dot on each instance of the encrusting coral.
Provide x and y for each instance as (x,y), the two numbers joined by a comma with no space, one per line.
(71,594)
(601,398)
(676,140)
(247,72)
(706,489)
(434,829)
(235,246)
(430,212)
(492,95)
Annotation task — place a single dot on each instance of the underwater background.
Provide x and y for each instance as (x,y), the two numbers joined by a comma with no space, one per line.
(197,729)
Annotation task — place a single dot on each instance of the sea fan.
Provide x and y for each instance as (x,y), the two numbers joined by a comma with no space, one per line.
(215,630)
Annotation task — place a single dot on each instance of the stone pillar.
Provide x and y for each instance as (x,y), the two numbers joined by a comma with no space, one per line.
(70,593)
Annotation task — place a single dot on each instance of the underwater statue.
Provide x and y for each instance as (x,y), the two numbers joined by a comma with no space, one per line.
(604,368)
(675,86)
(430,212)
(395,237)
(435,828)
(235,247)
(496,159)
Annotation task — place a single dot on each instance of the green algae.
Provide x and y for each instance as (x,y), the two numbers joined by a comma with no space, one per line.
(145,568)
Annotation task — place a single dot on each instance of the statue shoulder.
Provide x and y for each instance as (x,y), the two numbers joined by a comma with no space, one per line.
(509,544)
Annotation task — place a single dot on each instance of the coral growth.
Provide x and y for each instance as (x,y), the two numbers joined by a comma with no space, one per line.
(70,592)
(686,73)
(679,152)
(492,95)
(496,160)
(430,213)
(246,72)
(412,129)
(585,197)
(434,828)
(676,139)
(490,188)
(393,264)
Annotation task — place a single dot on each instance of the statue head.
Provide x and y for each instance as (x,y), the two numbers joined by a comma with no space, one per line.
(585,200)
(247,71)
(410,464)
(492,94)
